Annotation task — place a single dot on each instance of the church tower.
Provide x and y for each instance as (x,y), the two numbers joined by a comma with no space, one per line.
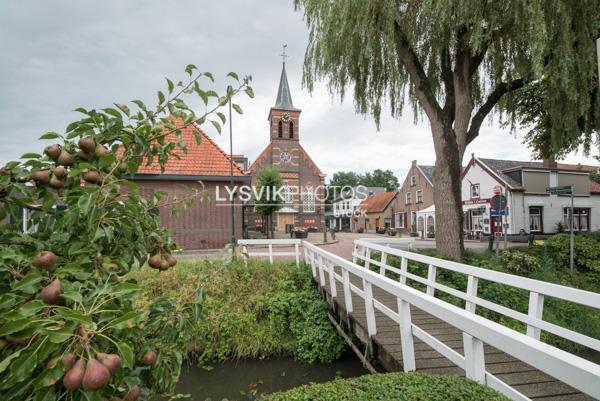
(284,128)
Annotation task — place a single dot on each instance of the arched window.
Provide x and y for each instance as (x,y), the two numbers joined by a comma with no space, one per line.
(280,129)
(308,199)
(288,197)
(291,127)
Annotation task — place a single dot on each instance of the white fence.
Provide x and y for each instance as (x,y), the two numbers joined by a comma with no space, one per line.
(568,368)
(272,246)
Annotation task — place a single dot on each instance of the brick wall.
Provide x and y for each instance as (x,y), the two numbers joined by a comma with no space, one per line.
(421,184)
(206,224)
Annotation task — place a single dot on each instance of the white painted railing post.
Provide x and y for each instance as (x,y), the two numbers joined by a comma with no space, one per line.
(355,252)
(369,308)
(347,291)
(311,257)
(321,273)
(383,263)
(297,250)
(367,257)
(431,273)
(472,282)
(474,358)
(406,337)
(536,311)
(271,253)
(332,284)
(403,270)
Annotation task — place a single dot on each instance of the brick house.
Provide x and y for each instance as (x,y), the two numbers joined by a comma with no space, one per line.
(206,224)
(377,211)
(416,194)
(303,180)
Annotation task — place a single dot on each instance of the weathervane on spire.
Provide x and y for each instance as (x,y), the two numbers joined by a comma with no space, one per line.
(283,55)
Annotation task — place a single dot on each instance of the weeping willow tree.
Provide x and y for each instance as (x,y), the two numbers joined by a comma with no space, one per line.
(455,61)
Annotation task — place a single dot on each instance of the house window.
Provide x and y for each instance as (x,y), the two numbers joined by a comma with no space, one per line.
(535,218)
(581,218)
(477,216)
(399,220)
(408,198)
(475,191)
(308,200)
(419,196)
(291,128)
(413,180)
(280,129)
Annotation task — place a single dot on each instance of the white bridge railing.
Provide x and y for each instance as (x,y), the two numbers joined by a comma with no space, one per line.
(477,330)
(272,247)
(391,242)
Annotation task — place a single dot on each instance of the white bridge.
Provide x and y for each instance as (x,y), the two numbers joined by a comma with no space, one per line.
(413,330)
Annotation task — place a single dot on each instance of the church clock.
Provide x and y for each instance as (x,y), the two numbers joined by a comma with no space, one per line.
(285,157)
(285,117)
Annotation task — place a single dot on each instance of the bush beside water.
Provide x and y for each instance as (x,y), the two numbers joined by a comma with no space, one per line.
(253,311)
(391,387)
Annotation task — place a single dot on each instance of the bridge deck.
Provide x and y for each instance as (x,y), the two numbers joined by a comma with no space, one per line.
(524,378)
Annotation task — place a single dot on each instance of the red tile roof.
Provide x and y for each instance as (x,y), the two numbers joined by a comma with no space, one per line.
(204,159)
(377,203)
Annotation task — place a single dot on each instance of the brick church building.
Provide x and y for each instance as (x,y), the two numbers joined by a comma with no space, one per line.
(304,182)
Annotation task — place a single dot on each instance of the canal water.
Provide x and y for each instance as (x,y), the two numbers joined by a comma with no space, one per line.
(244,380)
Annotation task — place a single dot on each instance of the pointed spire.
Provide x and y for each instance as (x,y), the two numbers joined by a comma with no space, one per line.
(284,97)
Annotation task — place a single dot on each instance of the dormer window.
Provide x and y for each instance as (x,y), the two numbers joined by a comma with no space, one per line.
(280,129)
(291,128)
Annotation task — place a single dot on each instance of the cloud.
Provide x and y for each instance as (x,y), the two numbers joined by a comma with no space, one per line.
(63,54)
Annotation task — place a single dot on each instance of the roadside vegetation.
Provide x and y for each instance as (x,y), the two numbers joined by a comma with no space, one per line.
(548,262)
(391,387)
(256,310)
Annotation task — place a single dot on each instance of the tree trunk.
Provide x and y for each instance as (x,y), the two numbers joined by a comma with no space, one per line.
(447,193)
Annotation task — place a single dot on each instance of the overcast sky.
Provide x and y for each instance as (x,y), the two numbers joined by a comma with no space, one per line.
(58,55)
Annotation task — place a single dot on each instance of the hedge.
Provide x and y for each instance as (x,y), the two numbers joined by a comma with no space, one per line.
(391,387)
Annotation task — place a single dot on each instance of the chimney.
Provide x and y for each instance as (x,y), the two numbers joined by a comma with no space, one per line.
(414,162)
(549,162)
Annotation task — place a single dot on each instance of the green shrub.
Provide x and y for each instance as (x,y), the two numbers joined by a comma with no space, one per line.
(586,255)
(391,387)
(253,311)
(519,262)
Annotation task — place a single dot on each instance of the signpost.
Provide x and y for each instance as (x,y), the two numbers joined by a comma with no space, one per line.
(498,209)
(566,190)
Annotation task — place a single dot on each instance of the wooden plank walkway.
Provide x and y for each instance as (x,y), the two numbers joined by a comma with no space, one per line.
(386,343)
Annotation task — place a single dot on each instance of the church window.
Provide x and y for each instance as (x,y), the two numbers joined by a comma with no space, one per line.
(288,198)
(291,127)
(280,129)
(308,199)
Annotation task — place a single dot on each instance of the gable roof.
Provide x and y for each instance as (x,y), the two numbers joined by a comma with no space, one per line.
(427,172)
(378,203)
(499,167)
(204,159)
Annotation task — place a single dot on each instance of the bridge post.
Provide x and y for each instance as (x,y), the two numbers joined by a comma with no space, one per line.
(367,257)
(347,290)
(332,284)
(406,338)
(354,252)
(297,251)
(404,270)
(311,258)
(321,273)
(474,358)
(369,309)
(383,263)
(472,282)
(270,253)
(536,311)
(431,273)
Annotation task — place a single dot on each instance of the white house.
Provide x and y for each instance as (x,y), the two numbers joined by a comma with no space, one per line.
(530,208)
(345,206)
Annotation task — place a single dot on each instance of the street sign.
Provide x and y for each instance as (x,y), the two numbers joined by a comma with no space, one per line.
(498,202)
(563,190)
(498,213)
